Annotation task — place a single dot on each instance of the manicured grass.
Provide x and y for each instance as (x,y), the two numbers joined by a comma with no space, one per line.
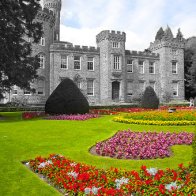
(24,140)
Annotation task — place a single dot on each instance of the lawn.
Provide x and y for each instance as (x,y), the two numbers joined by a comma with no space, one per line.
(23,140)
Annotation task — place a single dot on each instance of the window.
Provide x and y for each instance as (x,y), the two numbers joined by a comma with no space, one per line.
(175,88)
(77,62)
(152,68)
(174,67)
(141,67)
(26,92)
(117,63)
(40,87)
(64,62)
(152,84)
(129,88)
(15,91)
(115,44)
(42,41)
(142,86)
(90,63)
(78,84)
(130,66)
(90,87)
(41,60)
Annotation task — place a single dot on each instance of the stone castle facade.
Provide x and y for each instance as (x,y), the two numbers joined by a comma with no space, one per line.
(106,74)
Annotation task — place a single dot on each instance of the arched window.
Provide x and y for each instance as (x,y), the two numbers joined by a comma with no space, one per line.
(40,86)
(41,61)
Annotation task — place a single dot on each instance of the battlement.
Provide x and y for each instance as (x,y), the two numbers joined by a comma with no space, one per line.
(141,54)
(111,36)
(46,15)
(52,4)
(70,46)
(174,43)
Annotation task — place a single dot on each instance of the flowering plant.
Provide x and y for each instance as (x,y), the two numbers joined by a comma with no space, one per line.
(79,117)
(61,173)
(142,145)
(30,115)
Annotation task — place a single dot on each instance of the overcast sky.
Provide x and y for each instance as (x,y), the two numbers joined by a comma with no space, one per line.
(82,20)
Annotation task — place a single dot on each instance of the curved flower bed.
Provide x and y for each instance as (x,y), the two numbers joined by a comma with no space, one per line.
(159,118)
(79,117)
(142,145)
(80,179)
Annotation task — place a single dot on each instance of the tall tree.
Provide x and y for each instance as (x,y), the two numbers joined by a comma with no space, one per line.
(17,25)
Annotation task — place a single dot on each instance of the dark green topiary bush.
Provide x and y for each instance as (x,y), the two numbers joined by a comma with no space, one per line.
(67,99)
(150,99)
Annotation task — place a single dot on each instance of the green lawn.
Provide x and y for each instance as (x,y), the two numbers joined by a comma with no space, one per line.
(24,140)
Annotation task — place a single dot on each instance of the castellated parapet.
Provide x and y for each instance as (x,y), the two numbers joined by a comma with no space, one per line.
(142,54)
(46,15)
(111,36)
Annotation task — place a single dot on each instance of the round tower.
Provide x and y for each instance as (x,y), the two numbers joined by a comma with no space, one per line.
(55,7)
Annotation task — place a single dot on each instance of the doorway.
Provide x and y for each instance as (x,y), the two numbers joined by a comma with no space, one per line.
(115,90)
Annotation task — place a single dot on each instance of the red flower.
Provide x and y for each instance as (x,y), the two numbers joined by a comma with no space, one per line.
(162,189)
(143,167)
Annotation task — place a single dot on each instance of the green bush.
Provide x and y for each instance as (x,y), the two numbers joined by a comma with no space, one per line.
(150,99)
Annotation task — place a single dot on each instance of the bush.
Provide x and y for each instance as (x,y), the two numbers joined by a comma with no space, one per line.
(150,99)
(67,99)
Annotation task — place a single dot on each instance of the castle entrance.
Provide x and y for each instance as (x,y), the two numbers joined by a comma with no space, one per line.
(115,90)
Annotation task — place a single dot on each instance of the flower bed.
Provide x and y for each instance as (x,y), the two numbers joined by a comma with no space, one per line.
(30,115)
(79,117)
(80,179)
(103,112)
(159,118)
(142,145)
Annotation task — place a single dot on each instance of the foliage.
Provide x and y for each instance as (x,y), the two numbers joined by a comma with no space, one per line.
(150,99)
(81,179)
(17,23)
(160,34)
(167,96)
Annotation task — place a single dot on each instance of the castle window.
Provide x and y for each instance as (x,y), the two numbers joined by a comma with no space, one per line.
(141,67)
(77,62)
(152,84)
(78,84)
(115,45)
(64,62)
(130,66)
(40,87)
(90,63)
(41,60)
(90,87)
(152,68)
(174,67)
(26,92)
(130,88)
(175,88)
(42,41)
(117,63)
(14,91)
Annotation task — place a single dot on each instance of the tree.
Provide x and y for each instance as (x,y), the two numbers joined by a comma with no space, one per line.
(17,24)
(190,72)
(160,34)
(150,99)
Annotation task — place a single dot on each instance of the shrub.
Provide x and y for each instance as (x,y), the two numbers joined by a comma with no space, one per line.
(67,99)
(150,99)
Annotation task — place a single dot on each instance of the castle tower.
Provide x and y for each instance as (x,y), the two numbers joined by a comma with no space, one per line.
(55,7)
(112,65)
(171,63)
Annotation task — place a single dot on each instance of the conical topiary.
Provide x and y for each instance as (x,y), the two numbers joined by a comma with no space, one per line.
(67,99)
(150,99)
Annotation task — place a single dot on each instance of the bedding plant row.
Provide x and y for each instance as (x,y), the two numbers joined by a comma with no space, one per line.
(81,179)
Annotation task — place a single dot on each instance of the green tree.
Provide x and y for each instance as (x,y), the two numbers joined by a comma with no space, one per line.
(17,24)
(160,34)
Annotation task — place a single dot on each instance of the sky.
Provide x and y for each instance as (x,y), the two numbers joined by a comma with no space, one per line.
(82,20)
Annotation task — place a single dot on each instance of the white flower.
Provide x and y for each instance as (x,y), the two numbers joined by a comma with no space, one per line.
(87,190)
(172,185)
(121,181)
(44,164)
(73,174)
(94,190)
(152,171)
(73,164)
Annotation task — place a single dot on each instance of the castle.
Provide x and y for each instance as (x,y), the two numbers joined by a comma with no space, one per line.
(109,73)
